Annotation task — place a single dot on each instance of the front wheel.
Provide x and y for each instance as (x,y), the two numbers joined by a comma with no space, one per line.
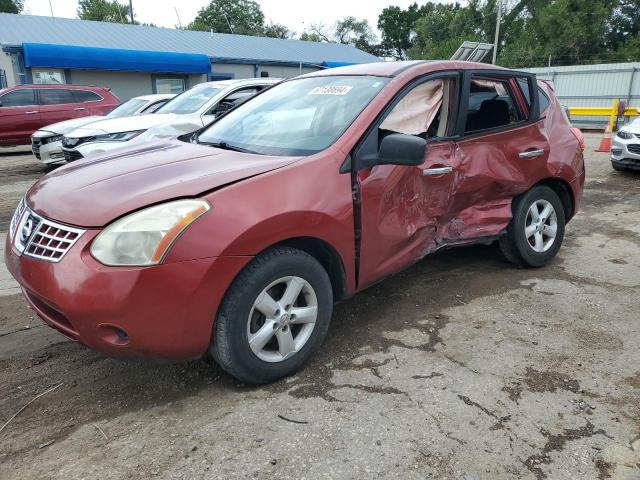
(274,316)
(536,230)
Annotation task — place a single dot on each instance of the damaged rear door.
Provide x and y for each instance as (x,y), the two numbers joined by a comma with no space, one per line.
(502,150)
(398,208)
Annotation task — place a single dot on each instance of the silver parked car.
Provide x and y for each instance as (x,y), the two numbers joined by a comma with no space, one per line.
(46,143)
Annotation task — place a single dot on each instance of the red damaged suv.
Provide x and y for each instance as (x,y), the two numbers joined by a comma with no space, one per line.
(237,239)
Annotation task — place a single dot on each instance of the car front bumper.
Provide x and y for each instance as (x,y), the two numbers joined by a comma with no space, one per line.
(163,312)
(47,152)
(626,153)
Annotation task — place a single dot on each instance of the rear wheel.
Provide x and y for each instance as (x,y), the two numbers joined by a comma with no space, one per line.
(274,316)
(536,230)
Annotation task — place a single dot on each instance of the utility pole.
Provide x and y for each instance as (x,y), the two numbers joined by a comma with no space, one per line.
(497,38)
(179,22)
(131,10)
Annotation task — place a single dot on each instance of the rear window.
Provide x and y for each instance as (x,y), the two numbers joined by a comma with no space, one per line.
(19,98)
(86,96)
(55,96)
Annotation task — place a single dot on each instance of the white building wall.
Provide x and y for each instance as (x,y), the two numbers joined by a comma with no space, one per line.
(248,71)
(238,71)
(6,64)
(284,72)
(124,85)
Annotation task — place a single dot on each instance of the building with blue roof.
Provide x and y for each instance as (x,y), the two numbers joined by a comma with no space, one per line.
(135,60)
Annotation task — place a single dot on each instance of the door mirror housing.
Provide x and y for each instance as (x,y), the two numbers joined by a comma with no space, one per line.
(402,149)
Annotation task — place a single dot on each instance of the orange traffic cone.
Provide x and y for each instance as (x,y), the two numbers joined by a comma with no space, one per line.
(605,143)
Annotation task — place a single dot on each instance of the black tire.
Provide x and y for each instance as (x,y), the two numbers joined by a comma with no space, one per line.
(230,345)
(618,168)
(514,244)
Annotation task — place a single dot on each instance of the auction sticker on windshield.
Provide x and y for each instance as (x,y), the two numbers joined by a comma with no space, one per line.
(331,90)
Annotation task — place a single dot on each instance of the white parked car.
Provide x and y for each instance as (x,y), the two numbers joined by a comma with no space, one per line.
(46,143)
(187,112)
(625,147)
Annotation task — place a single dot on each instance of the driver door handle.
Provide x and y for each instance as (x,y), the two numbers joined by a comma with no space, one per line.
(78,109)
(428,172)
(33,112)
(532,153)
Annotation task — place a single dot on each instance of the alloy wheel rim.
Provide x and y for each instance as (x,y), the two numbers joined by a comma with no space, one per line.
(282,319)
(541,226)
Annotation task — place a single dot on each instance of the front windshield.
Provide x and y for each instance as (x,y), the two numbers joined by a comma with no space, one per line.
(298,117)
(130,107)
(190,101)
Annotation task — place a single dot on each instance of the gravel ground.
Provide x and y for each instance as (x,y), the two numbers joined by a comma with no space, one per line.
(462,367)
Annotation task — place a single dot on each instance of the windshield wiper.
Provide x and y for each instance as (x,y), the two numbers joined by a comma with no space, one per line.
(226,146)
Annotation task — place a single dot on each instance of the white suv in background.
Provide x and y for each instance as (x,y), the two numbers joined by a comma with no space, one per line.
(46,143)
(187,112)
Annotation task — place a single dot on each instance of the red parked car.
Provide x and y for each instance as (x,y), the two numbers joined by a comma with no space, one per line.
(26,108)
(237,239)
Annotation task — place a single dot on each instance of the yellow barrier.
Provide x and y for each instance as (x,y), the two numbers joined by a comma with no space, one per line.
(611,112)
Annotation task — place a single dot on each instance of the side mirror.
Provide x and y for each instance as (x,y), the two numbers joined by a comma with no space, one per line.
(401,149)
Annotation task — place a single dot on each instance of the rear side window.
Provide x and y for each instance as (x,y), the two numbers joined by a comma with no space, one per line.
(19,98)
(542,96)
(86,96)
(55,96)
(233,100)
(490,105)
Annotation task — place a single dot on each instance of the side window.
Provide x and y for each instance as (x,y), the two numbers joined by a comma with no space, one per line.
(542,96)
(490,105)
(543,99)
(19,98)
(55,96)
(85,96)
(423,112)
(233,100)
(154,106)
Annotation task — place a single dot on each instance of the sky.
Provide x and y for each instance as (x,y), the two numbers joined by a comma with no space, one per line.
(295,14)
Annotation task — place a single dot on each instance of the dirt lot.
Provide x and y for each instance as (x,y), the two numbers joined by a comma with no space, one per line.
(462,367)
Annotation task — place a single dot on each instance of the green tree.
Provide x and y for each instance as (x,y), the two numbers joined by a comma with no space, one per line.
(277,30)
(397,27)
(358,33)
(242,17)
(310,37)
(103,11)
(563,32)
(11,6)
(348,30)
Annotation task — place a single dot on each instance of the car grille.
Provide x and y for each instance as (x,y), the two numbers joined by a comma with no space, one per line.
(634,148)
(72,155)
(38,237)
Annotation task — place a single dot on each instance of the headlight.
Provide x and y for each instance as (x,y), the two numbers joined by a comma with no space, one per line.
(117,137)
(54,138)
(625,135)
(144,237)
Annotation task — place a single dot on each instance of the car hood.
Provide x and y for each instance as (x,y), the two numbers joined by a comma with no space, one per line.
(93,192)
(61,128)
(121,124)
(633,127)
(179,125)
